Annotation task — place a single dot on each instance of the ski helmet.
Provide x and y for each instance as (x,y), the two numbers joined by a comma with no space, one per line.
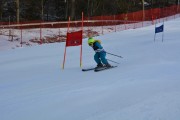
(91,41)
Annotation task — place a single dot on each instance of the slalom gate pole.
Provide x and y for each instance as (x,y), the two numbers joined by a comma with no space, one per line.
(114,55)
(113,61)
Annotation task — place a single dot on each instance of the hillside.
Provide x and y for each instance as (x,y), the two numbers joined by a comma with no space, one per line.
(144,86)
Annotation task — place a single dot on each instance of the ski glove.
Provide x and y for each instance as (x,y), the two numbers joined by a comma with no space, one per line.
(99,50)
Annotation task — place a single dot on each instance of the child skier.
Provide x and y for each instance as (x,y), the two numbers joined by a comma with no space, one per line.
(100,54)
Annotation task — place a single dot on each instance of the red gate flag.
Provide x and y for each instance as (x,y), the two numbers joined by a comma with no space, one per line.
(74,38)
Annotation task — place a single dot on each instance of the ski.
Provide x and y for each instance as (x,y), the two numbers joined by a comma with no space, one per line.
(97,69)
(87,69)
(103,68)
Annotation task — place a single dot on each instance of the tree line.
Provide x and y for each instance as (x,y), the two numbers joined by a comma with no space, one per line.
(58,10)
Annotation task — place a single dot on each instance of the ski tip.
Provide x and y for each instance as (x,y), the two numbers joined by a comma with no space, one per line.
(87,69)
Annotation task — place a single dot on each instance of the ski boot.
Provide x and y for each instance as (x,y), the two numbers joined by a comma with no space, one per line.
(107,65)
(99,65)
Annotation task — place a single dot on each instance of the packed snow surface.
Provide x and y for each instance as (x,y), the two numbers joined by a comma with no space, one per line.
(144,86)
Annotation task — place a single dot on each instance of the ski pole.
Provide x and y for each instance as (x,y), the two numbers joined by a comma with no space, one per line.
(113,61)
(114,55)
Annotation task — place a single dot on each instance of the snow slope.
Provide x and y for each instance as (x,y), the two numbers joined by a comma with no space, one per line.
(145,86)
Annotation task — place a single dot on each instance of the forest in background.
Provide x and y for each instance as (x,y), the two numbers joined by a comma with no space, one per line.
(59,10)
